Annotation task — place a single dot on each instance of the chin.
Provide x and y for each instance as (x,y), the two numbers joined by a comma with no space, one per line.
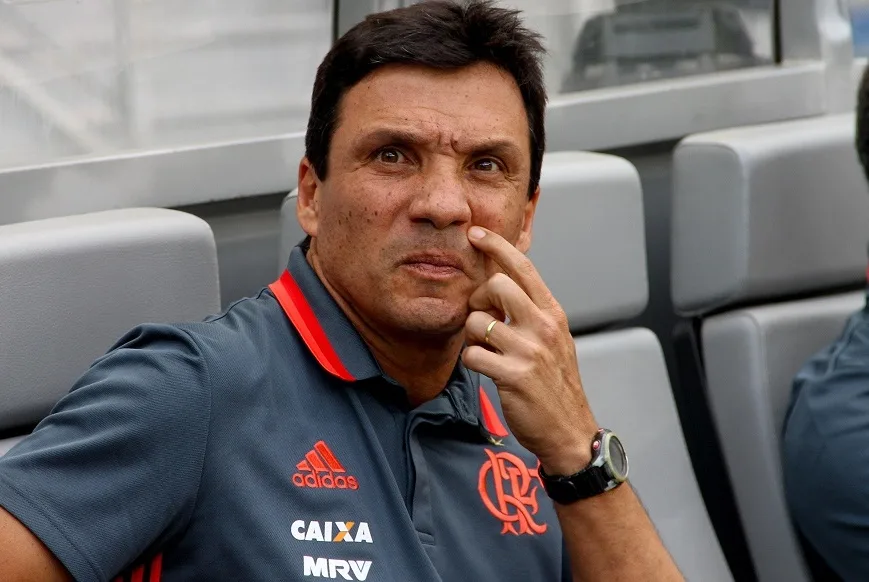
(430,316)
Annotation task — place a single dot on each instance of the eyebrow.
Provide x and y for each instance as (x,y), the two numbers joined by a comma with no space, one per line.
(407,136)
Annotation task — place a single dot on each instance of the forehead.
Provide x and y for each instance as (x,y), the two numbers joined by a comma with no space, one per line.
(469,103)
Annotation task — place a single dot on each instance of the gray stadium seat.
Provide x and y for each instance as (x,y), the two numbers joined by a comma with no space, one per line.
(589,246)
(291,232)
(7,444)
(70,287)
(769,227)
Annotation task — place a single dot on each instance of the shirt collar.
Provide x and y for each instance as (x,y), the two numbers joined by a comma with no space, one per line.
(321,323)
(340,350)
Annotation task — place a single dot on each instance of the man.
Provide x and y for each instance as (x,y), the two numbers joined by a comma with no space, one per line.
(826,436)
(336,425)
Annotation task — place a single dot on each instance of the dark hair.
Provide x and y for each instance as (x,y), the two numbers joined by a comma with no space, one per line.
(862,132)
(438,34)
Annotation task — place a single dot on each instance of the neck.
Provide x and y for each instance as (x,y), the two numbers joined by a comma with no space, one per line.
(421,364)
(423,370)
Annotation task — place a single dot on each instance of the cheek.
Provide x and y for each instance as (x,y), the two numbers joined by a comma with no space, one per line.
(505,218)
(360,218)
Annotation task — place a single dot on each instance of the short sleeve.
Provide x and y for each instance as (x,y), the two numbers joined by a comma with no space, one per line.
(114,470)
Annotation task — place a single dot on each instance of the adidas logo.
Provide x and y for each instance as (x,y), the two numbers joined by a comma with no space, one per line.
(321,469)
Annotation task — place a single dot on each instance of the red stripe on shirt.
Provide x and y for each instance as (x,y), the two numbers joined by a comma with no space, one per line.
(491,420)
(156,568)
(299,311)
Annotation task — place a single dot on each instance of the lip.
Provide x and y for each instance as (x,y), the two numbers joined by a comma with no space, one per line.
(434,264)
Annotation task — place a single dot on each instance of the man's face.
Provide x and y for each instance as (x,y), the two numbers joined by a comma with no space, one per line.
(418,157)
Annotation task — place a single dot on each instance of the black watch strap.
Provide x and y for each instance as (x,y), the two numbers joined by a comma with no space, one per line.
(587,483)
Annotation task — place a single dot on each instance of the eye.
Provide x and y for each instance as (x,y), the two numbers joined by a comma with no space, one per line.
(389,156)
(486,165)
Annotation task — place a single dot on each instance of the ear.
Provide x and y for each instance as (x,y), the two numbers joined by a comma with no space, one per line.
(524,241)
(308,202)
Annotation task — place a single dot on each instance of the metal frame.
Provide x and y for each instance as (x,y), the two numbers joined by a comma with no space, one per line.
(663,110)
(817,76)
(820,31)
(167,178)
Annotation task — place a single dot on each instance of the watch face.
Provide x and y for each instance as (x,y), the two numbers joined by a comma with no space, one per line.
(618,460)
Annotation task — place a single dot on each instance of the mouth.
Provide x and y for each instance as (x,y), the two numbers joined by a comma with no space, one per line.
(434,265)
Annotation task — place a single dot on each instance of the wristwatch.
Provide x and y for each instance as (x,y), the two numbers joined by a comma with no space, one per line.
(607,470)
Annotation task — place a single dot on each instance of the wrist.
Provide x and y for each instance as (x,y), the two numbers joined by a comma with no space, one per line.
(571,456)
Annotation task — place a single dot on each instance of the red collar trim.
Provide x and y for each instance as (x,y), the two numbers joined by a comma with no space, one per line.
(491,421)
(301,315)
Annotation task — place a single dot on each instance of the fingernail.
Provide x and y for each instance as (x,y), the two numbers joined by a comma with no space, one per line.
(476,233)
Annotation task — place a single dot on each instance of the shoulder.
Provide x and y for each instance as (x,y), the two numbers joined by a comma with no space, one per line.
(184,360)
(244,326)
(246,351)
(828,409)
(849,350)
(827,417)
(228,346)
(830,383)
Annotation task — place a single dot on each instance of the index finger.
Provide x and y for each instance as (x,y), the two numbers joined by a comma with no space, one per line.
(514,263)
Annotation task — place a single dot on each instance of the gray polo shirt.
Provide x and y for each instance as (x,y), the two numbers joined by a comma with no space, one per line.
(267,444)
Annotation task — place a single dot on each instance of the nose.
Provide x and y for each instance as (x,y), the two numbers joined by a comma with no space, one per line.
(442,199)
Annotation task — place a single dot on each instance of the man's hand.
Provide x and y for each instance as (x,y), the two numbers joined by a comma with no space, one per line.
(531,357)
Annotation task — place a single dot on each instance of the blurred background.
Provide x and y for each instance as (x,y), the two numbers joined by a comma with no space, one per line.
(98,77)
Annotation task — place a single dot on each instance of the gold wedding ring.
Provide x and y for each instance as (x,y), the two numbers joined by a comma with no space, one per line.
(489,330)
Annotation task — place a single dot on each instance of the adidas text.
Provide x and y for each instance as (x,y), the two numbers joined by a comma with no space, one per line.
(327,481)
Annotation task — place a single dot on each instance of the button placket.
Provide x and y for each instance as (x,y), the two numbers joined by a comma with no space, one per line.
(437,412)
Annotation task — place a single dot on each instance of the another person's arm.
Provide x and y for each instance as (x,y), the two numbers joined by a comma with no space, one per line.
(532,360)
(825,453)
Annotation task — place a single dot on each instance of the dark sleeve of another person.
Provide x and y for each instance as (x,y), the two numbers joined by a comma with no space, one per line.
(114,470)
(826,452)
(566,574)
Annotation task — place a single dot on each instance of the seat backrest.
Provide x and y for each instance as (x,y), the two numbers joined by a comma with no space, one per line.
(583,194)
(767,211)
(625,378)
(70,287)
(7,444)
(589,247)
(761,215)
(291,231)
